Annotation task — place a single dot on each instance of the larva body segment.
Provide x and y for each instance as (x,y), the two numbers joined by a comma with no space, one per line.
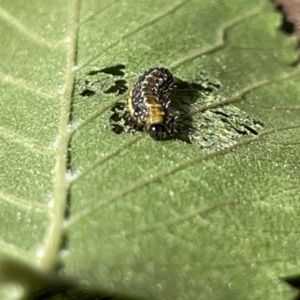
(149,100)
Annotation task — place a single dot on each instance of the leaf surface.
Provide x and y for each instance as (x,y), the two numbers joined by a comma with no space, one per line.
(161,220)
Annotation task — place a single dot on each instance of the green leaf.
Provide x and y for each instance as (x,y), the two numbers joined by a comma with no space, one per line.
(212,216)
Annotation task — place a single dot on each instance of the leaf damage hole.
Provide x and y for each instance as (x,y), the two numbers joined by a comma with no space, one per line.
(117,70)
(214,129)
(290,10)
(106,80)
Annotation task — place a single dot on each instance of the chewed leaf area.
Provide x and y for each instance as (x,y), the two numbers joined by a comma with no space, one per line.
(290,10)
(97,81)
(202,117)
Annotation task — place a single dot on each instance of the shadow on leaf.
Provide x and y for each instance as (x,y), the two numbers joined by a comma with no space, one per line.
(50,286)
(294,281)
(211,129)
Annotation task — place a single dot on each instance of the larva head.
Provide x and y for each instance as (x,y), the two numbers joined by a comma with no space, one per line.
(158,131)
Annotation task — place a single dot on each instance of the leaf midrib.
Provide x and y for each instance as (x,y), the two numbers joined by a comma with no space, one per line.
(55,232)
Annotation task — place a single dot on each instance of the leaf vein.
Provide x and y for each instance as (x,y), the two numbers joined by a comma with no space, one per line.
(155,19)
(13,250)
(77,125)
(202,212)
(23,84)
(222,43)
(22,202)
(102,159)
(147,181)
(240,94)
(95,14)
(28,32)
(53,236)
(29,143)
